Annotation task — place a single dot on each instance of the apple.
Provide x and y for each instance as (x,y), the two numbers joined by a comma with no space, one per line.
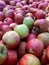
(44,58)
(42,24)
(40,14)
(1,16)
(31,36)
(35,46)
(22,30)
(44,37)
(3,53)
(12,2)
(19,5)
(29,15)
(12,25)
(23,2)
(11,58)
(42,5)
(47,52)
(19,10)
(11,39)
(22,48)
(26,8)
(2,5)
(1,23)
(47,9)
(33,10)
(18,18)
(29,22)
(29,59)
(9,13)
(5,28)
(8,21)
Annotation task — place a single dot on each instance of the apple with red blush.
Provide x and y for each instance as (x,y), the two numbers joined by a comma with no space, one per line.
(11,57)
(8,21)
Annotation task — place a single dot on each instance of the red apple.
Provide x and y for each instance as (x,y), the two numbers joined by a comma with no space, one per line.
(2,5)
(8,21)
(29,59)
(12,25)
(47,52)
(19,5)
(12,2)
(42,6)
(23,2)
(40,14)
(44,58)
(1,16)
(12,58)
(18,18)
(31,36)
(1,23)
(5,28)
(42,24)
(9,13)
(25,8)
(11,39)
(22,49)
(35,46)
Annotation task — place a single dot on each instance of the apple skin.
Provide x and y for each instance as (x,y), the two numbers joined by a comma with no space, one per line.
(31,36)
(23,2)
(35,46)
(12,2)
(42,6)
(11,39)
(19,10)
(28,21)
(44,58)
(3,53)
(12,25)
(29,15)
(18,18)
(8,21)
(22,30)
(4,29)
(12,58)
(40,14)
(26,8)
(1,16)
(44,37)
(22,49)
(19,5)
(29,59)
(2,5)
(47,52)
(9,13)
(42,24)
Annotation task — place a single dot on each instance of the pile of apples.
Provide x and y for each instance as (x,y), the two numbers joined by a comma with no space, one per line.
(24,32)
